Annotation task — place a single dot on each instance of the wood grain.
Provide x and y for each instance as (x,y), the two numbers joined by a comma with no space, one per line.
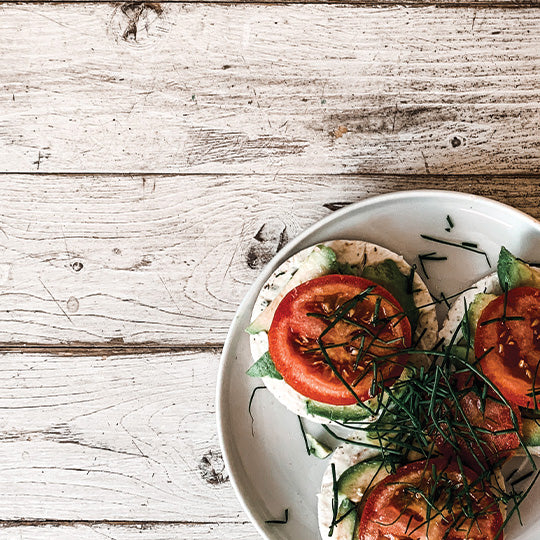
(277,88)
(112,438)
(135,531)
(157,261)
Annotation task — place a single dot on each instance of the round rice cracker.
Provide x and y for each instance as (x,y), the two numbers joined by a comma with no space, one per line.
(490,285)
(346,456)
(355,253)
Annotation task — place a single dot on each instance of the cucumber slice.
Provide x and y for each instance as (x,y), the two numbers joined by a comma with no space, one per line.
(319,262)
(317,448)
(358,478)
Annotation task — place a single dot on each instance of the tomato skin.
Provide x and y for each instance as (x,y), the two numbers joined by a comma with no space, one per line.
(392,511)
(496,416)
(512,363)
(293,338)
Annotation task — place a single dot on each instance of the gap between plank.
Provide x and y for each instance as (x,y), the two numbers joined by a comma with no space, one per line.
(9,523)
(373,174)
(351,3)
(107,349)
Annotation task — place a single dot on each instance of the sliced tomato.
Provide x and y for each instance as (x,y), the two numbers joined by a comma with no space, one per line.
(371,325)
(489,440)
(507,342)
(425,500)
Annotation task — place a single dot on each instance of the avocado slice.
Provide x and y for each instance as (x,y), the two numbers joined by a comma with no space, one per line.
(340,413)
(514,272)
(347,524)
(531,433)
(388,275)
(360,477)
(481,300)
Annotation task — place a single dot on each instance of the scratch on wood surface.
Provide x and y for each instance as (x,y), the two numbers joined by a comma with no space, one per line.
(61,434)
(41,156)
(394,118)
(170,295)
(57,303)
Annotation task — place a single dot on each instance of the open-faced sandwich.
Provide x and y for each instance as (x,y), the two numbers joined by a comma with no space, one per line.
(335,324)
(363,497)
(496,324)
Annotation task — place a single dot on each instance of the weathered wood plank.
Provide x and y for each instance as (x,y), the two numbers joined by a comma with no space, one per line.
(243,88)
(118,438)
(165,260)
(139,531)
(507,4)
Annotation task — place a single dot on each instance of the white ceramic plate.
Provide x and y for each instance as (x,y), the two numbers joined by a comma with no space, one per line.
(269,467)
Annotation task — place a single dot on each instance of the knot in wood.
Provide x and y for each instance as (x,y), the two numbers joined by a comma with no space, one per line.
(139,24)
(212,468)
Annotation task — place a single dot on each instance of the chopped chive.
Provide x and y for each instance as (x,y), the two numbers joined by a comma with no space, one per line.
(522,478)
(450,222)
(335,500)
(501,319)
(461,245)
(511,475)
(308,449)
(360,352)
(445,300)
(429,257)
(279,521)
(250,403)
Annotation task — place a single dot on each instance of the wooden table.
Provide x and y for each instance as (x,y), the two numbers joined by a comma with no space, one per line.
(153,158)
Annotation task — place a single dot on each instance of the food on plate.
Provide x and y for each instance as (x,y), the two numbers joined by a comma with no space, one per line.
(497,323)
(365,498)
(329,326)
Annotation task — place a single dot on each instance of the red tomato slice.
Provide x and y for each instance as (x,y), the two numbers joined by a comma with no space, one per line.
(397,508)
(374,326)
(494,447)
(509,350)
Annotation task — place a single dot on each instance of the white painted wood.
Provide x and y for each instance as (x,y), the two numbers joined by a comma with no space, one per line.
(112,438)
(277,88)
(214,531)
(164,259)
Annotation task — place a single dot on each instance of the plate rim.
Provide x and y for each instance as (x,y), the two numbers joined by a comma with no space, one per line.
(280,256)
